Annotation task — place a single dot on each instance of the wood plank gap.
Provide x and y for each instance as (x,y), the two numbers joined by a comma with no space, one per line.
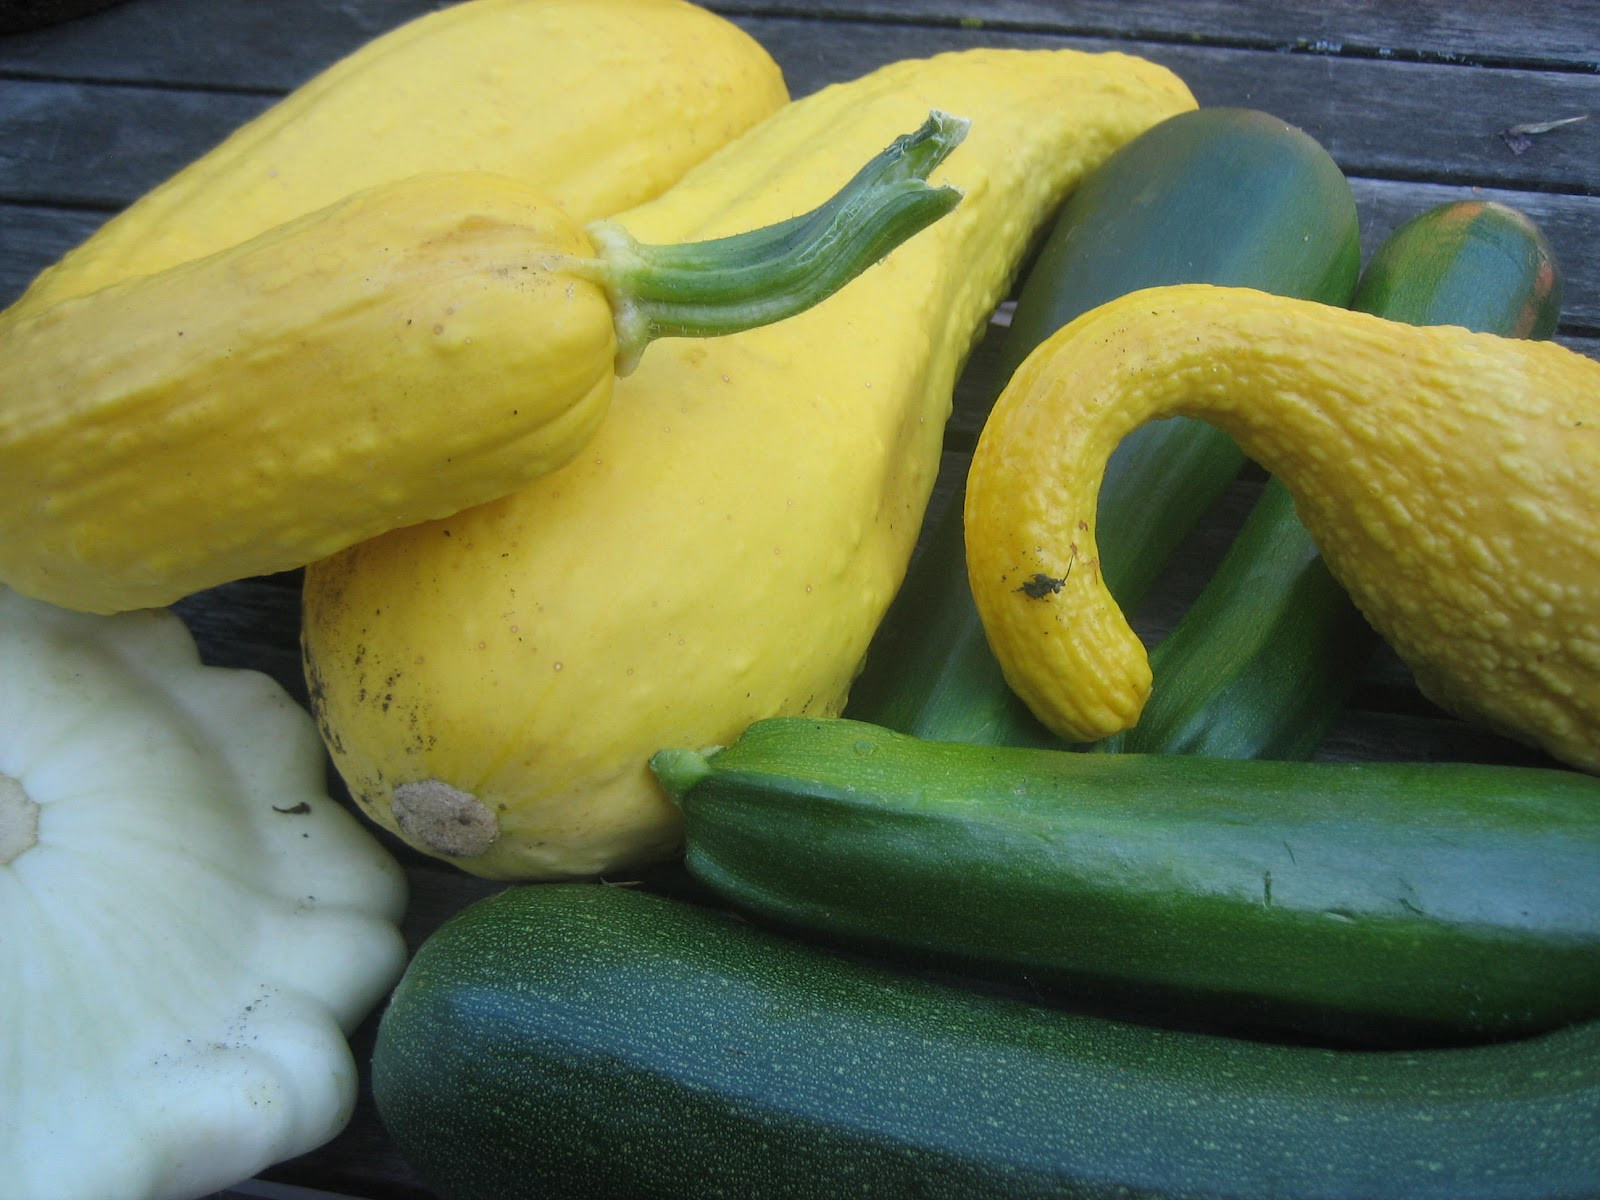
(52,204)
(17,75)
(1470,180)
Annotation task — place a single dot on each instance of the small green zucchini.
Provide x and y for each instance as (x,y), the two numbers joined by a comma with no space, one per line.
(1474,263)
(1267,655)
(1383,902)
(1165,208)
(585,1040)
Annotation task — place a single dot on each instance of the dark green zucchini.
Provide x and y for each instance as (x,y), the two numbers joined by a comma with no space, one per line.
(1263,661)
(1386,902)
(1217,195)
(1230,196)
(1474,263)
(580,1040)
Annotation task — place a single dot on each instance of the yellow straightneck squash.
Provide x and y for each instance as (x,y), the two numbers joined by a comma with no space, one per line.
(491,685)
(602,103)
(420,347)
(1450,479)
(246,412)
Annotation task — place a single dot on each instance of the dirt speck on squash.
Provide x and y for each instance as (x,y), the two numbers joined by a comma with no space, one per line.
(19,820)
(444,819)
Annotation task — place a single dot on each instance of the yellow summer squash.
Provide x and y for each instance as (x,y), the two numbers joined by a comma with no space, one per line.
(1450,479)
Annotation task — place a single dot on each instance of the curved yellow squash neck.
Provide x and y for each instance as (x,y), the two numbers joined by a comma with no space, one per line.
(1450,479)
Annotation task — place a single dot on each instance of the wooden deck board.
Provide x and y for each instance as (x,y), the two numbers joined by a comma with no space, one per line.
(73,146)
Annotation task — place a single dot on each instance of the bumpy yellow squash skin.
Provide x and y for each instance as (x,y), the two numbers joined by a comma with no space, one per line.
(416,349)
(602,103)
(1451,480)
(492,685)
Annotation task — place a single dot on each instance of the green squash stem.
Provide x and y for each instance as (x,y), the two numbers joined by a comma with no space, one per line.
(722,286)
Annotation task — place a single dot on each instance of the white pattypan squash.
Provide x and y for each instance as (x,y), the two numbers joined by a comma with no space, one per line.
(189,925)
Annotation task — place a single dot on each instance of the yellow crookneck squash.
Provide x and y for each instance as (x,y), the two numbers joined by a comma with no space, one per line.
(492,685)
(415,349)
(1450,479)
(601,103)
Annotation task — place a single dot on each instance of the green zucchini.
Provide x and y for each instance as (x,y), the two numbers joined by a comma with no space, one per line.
(1217,195)
(1475,263)
(1230,196)
(1387,902)
(583,1040)
(1265,658)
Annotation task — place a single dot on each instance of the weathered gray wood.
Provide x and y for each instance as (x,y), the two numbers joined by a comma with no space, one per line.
(1556,34)
(85,145)
(32,237)
(1436,122)
(1380,117)
(178,41)
(80,145)
(266,47)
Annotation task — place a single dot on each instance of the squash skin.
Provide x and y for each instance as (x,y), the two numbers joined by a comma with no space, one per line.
(724,548)
(1384,904)
(427,330)
(1164,209)
(1422,274)
(630,94)
(661,1050)
(197,928)
(602,103)
(1271,649)
(1448,478)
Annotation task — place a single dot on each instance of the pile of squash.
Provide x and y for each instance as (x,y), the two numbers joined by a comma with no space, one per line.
(567,605)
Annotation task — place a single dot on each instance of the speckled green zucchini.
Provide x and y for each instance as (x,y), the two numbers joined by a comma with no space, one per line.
(579,1040)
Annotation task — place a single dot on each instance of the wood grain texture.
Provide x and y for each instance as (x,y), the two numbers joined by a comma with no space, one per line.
(86,145)
(1557,35)
(225,46)
(1438,124)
